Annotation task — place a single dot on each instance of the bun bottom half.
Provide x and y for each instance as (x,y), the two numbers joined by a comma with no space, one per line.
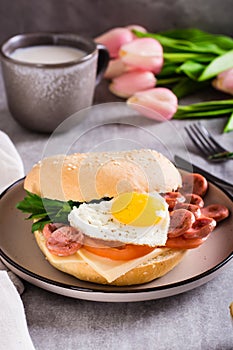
(143,273)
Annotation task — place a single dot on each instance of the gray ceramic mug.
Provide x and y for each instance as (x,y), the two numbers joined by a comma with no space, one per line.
(41,96)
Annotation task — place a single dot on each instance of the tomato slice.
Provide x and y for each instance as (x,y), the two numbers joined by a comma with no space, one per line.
(125,252)
(182,243)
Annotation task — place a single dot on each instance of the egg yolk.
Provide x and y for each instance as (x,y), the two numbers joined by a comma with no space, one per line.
(138,209)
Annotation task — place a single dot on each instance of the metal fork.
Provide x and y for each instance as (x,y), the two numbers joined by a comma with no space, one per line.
(206,143)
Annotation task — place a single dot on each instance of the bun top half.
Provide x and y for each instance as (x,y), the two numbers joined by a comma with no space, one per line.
(87,176)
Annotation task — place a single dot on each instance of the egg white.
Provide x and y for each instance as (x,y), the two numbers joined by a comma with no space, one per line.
(95,220)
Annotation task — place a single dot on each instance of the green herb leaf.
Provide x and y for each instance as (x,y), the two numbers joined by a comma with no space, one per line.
(39,225)
(45,210)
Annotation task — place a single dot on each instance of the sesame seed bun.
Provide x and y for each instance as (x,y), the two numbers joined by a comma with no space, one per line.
(87,176)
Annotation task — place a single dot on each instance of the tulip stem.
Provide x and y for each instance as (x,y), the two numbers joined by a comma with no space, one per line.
(229,125)
(209,109)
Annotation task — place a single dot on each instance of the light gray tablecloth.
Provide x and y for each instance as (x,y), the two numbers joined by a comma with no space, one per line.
(198,319)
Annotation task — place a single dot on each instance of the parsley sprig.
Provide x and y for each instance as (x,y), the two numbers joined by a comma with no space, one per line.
(44,210)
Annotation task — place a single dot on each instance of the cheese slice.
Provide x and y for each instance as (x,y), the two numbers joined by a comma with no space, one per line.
(112,269)
(62,259)
(107,268)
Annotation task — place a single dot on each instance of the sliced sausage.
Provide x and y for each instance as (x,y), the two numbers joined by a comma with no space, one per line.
(172,198)
(194,199)
(194,183)
(182,243)
(217,212)
(180,221)
(201,228)
(49,228)
(65,241)
(190,207)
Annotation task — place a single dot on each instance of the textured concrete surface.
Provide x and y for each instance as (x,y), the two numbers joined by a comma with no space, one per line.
(198,319)
(91,17)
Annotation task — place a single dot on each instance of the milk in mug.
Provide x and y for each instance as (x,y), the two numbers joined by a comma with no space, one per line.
(47,54)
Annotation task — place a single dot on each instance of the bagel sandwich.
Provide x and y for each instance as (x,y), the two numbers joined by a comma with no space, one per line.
(102,216)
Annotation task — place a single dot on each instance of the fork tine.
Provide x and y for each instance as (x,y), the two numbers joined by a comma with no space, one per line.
(203,140)
(218,147)
(210,147)
(196,140)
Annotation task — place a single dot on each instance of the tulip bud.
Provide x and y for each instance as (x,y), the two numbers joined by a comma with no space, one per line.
(136,27)
(224,81)
(128,83)
(115,68)
(159,103)
(143,53)
(114,39)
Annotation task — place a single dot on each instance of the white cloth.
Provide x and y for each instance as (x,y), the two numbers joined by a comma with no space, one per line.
(11,166)
(11,169)
(17,282)
(13,326)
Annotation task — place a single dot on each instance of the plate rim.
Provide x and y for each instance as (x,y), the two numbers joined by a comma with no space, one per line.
(115,292)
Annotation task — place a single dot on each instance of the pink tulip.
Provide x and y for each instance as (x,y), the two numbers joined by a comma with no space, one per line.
(137,27)
(224,81)
(159,104)
(128,84)
(143,53)
(115,68)
(114,39)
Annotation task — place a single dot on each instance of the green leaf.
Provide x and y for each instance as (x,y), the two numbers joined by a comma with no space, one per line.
(185,42)
(224,42)
(39,225)
(229,125)
(191,34)
(169,69)
(216,43)
(192,69)
(186,86)
(180,57)
(167,81)
(45,210)
(217,66)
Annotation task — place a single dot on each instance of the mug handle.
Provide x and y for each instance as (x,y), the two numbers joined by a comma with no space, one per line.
(103,59)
